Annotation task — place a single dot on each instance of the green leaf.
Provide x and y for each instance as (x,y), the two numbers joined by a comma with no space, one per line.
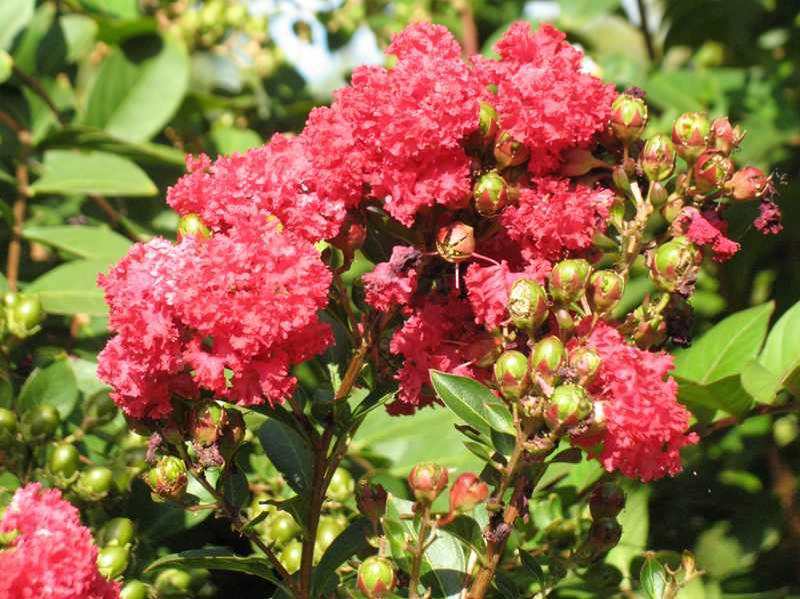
(724,350)
(124,9)
(762,384)
(72,288)
(99,173)
(232,139)
(82,241)
(139,89)
(444,563)
(91,138)
(530,563)
(781,354)
(157,521)
(727,395)
(216,558)
(54,385)
(289,452)
(351,541)
(473,402)
(635,521)
(14,16)
(653,578)
(234,487)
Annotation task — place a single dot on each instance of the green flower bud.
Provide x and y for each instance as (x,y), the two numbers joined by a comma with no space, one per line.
(658,158)
(376,577)
(427,480)
(605,290)
(689,134)
(711,171)
(547,358)
(510,152)
(291,556)
(585,362)
(191,225)
(621,180)
(100,408)
(117,532)
(168,478)
(455,242)
(607,501)
(657,195)
(135,589)
(280,527)
(568,280)
(511,374)
(63,460)
(173,583)
(25,316)
(527,304)
(466,493)
(724,137)
(206,423)
(94,483)
(628,117)
(674,264)
(8,427)
(487,121)
(490,193)
(341,486)
(564,319)
(568,405)
(328,529)
(112,561)
(40,423)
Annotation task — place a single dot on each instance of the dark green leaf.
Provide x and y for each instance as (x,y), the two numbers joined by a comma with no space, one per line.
(289,452)
(235,488)
(216,558)
(72,288)
(532,566)
(351,541)
(53,385)
(472,402)
(653,578)
(82,241)
(91,138)
(726,394)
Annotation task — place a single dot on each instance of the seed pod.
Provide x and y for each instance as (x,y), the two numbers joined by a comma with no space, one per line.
(467,492)
(490,193)
(173,583)
(585,362)
(8,427)
(63,460)
(100,408)
(134,589)
(527,305)
(112,561)
(568,280)
(511,374)
(628,117)
(427,480)
(455,242)
(25,315)
(711,171)
(674,264)
(168,478)
(568,405)
(291,556)
(689,134)
(658,158)
(191,225)
(40,422)
(509,152)
(280,527)
(94,483)
(605,290)
(328,529)
(547,359)
(376,577)
(607,501)
(117,532)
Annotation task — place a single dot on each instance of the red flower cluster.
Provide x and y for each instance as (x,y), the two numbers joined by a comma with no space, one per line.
(646,426)
(228,315)
(50,555)
(709,229)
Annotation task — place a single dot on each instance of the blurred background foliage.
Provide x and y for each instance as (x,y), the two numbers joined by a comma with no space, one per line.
(100,100)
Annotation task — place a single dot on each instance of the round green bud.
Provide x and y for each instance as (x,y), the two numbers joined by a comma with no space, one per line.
(527,304)
(689,134)
(328,529)
(291,556)
(94,483)
(25,315)
(134,589)
(112,561)
(568,280)
(191,225)
(280,527)
(547,358)
(173,583)
(605,290)
(585,362)
(607,501)
(63,460)
(168,478)
(628,117)
(101,408)
(658,157)
(8,427)
(568,405)
(342,485)
(510,152)
(490,193)
(511,374)
(427,480)
(487,121)
(117,532)
(376,577)
(40,422)
(673,263)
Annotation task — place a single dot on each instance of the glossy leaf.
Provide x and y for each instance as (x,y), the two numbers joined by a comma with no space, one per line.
(781,354)
(472,402)
(82,241)
(53,385)
(289,452)
(14,15)
(216,558)
(92,173)
(72,288)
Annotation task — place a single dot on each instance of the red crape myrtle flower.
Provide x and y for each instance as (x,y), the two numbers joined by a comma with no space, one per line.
(51,554)
(646,426)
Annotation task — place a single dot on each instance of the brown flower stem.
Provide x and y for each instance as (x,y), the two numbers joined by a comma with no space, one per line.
(425,527)
(40,91)
(469,31)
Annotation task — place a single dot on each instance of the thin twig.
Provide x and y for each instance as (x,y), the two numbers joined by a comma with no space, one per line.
(469,31)
(648,37)
(724,423)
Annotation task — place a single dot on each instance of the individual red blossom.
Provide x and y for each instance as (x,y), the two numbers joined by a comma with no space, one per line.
(646,426)
(544,100)
(52,555)
(553,218)
(488,288)
(769,219)
(707,229)
(393,283)
(436,336)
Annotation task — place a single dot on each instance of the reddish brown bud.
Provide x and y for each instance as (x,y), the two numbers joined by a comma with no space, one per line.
(689,134)
(578,162)
(711,171)
(658,158)
(455,242)
(510,152)
(748,183)
(351,236)
(467,492)
(511,374)
(604,534)
(724,137)
(168,478)
(607,501)
(628,117)
(490,193)
(485,350)
(427,481)
(371,500)
(547,358)
(568,280)
(207,422)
